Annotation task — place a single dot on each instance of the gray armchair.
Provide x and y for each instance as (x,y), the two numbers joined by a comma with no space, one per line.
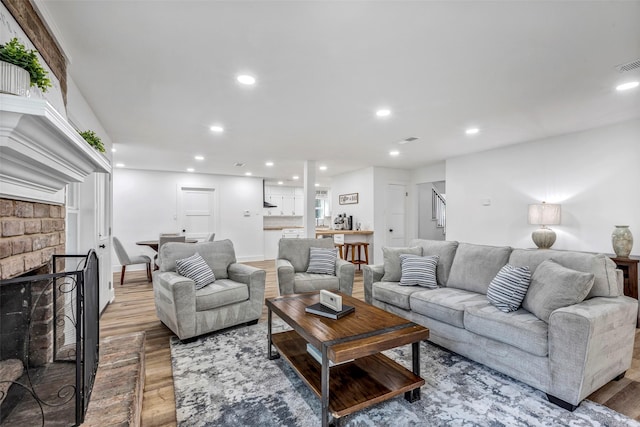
(235,297)
(292,263)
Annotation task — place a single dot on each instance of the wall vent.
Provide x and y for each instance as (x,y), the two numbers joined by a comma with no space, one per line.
(629,66)
(409,139)
(239,164)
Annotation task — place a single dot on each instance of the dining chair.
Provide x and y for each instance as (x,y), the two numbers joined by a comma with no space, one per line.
(126,260)
(164,239)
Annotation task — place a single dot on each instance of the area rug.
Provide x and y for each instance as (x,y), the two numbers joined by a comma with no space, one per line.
(225,379)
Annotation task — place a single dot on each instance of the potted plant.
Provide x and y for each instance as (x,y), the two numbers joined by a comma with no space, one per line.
(93,140)
(21,65)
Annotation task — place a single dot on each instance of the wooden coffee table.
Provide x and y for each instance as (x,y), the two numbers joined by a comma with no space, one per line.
(368,377)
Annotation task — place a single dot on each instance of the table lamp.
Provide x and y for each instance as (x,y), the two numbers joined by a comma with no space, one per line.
(544,214)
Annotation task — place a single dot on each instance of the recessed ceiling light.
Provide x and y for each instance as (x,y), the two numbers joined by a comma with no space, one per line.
(472,131)
(394,153)
(295,177)
(268,164)
(248,173)
(383,112)
(191,170)
(216,128)
(198,157)
(246,79)
(627,86)
(119,165)
(317,185)
(113,150)
(280,182)
(323,168)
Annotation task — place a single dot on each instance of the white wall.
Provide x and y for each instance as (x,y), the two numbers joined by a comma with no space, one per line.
(145,204)
(594,175)
(361,182)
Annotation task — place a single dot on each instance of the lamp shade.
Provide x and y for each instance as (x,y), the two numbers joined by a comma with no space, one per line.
(544,214)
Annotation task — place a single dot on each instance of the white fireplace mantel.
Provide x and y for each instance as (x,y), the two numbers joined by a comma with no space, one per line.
(40,152)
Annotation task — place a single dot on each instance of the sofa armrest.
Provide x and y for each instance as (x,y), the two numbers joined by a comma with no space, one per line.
(175,300)
(346,272)
(251,276)
(285,276)
(372,274)
(589,344)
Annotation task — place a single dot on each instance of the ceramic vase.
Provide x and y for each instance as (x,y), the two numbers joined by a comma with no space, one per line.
(622,241)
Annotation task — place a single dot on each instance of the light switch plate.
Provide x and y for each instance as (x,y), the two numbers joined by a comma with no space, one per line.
(331,300)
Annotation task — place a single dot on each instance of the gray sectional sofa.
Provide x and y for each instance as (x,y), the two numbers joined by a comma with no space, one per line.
(570,354)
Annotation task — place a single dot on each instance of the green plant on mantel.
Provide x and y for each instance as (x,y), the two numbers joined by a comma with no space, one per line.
(16,53)
(93,140)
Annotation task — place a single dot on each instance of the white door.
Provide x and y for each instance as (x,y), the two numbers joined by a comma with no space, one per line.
(197,212)
(90,207)
(396,219)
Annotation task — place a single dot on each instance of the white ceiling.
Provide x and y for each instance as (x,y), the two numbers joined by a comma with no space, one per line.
(158,74)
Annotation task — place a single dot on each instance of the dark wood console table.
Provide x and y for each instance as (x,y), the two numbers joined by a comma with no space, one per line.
(629,267)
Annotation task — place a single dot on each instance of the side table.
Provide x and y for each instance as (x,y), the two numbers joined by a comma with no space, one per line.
(629,267)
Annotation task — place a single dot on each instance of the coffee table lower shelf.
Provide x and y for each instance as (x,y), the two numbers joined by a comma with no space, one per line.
(353,385)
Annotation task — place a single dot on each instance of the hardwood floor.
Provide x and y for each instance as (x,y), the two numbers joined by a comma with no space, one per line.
(134,310)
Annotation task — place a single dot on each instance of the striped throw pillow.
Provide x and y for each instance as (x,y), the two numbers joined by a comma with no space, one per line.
(419,270)
(196,269)
(322,261)
(508,289)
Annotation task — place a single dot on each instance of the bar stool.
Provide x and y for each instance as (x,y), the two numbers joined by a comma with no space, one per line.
(358,246)
(338,242)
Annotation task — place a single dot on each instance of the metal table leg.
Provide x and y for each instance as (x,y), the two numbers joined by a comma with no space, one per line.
(414,395)
(325,387)
(271,355)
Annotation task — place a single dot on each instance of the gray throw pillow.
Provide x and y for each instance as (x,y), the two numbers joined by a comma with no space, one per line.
(554,286)
(322,261)
(196,269)
(392,266)
(509,287)
(419,270)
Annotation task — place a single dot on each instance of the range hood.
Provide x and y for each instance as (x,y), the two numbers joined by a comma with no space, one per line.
(266,204)
(40,152)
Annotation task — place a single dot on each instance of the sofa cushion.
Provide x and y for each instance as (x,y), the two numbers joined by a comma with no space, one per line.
(322,261)
(222,292)
(418,270)
(604,269)
(392,268)
(445,304)
(394,294)
(307,282)
(445,250)
(508,288)
(196,269)
(554,286)
(520,328)
(474,266)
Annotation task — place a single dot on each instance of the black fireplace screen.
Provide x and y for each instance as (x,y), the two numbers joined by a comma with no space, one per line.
(49,336)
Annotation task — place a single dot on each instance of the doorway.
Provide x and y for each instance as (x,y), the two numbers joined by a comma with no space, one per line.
(396,218)
(197,212)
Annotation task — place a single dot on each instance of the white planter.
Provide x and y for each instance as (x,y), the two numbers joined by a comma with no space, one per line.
(14,80)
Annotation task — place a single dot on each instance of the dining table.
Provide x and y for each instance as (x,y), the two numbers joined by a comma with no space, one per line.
(153,244)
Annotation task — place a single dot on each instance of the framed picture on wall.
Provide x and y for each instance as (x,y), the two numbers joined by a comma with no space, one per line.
(348,199)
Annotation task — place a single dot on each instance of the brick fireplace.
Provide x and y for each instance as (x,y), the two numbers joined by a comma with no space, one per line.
(30,234)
